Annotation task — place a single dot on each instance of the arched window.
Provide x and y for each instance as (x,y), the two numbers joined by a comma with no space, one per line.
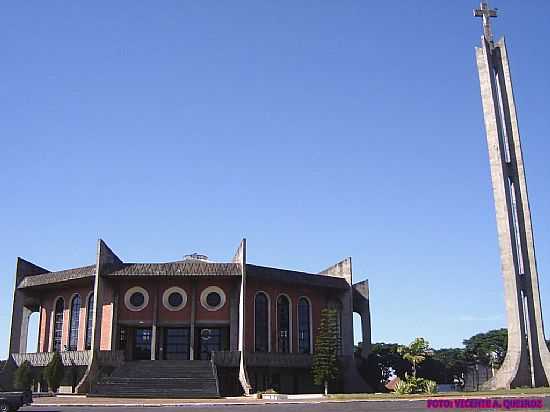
(89,320)
(283,323)
(58,324)
(75,322)
(304,326)
(261,323)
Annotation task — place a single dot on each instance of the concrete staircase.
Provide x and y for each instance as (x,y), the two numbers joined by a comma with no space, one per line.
(160,379)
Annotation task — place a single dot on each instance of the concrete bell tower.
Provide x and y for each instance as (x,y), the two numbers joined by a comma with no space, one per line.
(527,361)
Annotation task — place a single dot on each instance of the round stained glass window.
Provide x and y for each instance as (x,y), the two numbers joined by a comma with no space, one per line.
(175,299)
(137,299)
(213,299)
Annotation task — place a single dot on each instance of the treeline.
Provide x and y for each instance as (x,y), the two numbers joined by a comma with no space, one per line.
(443,366)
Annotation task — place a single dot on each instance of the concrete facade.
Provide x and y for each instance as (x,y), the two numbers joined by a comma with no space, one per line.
(527,361)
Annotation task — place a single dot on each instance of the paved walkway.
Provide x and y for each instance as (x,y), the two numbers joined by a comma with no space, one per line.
(83,401)
(75,400)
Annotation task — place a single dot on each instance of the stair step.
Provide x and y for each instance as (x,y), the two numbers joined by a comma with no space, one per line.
(182,379)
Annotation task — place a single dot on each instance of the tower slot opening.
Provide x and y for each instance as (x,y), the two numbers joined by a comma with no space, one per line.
(528,337)
(515,224)
(502,119)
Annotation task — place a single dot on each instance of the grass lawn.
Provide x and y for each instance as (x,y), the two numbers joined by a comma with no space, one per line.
(499,392)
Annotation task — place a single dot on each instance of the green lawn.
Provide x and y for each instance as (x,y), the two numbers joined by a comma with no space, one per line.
(499,392)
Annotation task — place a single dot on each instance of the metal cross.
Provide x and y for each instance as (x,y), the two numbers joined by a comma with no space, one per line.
(486,12)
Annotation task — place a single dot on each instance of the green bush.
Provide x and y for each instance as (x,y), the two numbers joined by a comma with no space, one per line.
(403,388)
(412,384)
(430,386)
(54,372)
(23,377)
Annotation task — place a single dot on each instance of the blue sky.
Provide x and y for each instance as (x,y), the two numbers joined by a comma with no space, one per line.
(317,130)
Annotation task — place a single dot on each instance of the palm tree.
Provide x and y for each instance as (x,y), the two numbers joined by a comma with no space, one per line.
(416,352)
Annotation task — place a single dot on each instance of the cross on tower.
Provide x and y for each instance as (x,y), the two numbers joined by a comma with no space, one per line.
(486,12)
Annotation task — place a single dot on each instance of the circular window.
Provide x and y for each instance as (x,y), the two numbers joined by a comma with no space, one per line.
(136,299)
(174,298)
(212,298)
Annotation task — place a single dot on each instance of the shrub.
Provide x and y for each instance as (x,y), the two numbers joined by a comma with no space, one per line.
(412,384)
(403,388)
(23,377)
(430,386)
(54,372)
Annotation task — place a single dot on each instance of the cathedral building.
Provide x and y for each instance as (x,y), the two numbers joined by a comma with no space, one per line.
(188,328)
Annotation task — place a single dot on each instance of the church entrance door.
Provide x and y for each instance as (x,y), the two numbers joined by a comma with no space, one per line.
(211,340)
(142,343)
(176,343)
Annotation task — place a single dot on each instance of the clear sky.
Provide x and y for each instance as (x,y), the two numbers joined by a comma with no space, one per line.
(315,129)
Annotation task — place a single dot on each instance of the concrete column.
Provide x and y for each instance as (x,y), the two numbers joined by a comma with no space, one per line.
(20,325)
(192,323)
(153,341)
(114,326)
(234,318)
(154,328)
(347,323)
(39,329)
(240,258)
(21,313)
(362,307)
(527,361)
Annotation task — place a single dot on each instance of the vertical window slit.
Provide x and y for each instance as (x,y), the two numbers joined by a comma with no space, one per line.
(527,336)
(515,224)
(502,118)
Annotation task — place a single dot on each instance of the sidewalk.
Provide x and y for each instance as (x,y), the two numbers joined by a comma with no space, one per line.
(83,401)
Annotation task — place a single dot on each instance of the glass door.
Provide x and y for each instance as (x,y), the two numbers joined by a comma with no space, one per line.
(142,344)
(210,339)
(176,343)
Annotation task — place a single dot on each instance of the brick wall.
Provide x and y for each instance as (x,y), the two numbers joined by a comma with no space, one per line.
(317,297)
(47,303)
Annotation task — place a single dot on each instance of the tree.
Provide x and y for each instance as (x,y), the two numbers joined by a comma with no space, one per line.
(482,346)
(382,363)
(325,357)
(23,377)
(416,352)
(453,361)
(54,372)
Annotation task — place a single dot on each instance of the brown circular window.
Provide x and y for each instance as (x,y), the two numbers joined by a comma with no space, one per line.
(213,299)
(175,299)
(137,299)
